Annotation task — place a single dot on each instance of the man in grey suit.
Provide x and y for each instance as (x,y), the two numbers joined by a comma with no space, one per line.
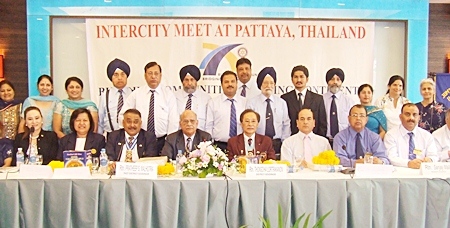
(187,138)
(300,98)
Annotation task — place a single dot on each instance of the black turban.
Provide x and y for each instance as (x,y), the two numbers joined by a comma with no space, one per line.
(191,70)
(335,71)
(117,63)
(263,73)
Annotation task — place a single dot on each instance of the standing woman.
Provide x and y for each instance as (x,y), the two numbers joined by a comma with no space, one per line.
(392,102)
(431,112)
(83,136)
(46,103)
(44,141)
(9,110)
(376,119)
(64,109)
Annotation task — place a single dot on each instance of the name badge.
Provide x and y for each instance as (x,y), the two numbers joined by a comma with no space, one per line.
(139,170)
(435,169)
(417,152)
(266,171)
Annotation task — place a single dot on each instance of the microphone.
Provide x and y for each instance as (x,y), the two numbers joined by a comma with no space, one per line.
(29,140)
(349,170)
(32,130)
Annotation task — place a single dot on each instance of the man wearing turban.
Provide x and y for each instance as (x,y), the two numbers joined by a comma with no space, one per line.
(111,102)
(191,98)
(276,123)
(337,103)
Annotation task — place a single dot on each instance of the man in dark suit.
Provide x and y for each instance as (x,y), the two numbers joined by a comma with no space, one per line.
(131,142)
(249,141)
(187,138)
(300,98)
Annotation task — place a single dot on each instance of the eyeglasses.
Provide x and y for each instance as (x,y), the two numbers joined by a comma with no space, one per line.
(355,115)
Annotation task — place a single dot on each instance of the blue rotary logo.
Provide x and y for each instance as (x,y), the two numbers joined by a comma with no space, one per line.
(211,62)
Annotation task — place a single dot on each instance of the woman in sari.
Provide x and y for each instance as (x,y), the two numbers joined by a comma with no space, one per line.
(64,109)
(376,119)
(431,112)
(46,103)
(9,110)
(393,101)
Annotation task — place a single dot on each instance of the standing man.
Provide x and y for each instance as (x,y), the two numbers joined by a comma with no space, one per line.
(300,98)
(277,124)
(246,88)
(111,102)
(156,103)
(223,110)
(352,143)
(249,141)
(408,145)
(337,104)
(442,138)
(191,98)
(187,138)
(132,142)
(305,144)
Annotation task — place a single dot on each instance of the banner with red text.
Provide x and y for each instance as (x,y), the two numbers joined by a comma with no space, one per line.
(214,45)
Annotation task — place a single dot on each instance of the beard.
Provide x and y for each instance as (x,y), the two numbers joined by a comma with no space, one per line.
(189,89)
(334,89)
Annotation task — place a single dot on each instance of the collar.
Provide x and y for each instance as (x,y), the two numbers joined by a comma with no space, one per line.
(127,136)
(225,98)
(353,133)
(404,131)
(184,94)
(264,98)
(186,137)
(303,92)
(157,89)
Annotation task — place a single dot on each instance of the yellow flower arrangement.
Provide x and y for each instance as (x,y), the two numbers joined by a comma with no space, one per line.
(166,169)
(327,157)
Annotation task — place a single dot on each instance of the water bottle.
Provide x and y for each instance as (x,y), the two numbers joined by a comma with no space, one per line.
(32,159)
(178,158)
(20,157)
(103,162)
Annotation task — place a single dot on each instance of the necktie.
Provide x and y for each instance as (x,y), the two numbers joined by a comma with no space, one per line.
(250,142)
(233,123)
(307,153)
(151,113)
(334,127)
(119,104)
(411,147)
(270,130)
(300,100)
(358,147)
(244,91)
(188,144)
(189,102)
(129,152)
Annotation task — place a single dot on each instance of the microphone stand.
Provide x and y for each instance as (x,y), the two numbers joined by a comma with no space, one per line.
(349,170)
(29,143)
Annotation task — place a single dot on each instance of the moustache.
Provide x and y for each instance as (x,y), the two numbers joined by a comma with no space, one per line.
(411,121)
(230,87)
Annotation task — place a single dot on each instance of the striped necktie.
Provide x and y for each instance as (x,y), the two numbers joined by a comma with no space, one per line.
(189,102)
(411,146)
(244,91)
(151,113)
(119,104)
(233,122)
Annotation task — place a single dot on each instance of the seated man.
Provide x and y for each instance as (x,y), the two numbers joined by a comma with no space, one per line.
(305,144)
(408,145)
(249,142)
(442,138)
(187,138)
(131,142)
(352,143)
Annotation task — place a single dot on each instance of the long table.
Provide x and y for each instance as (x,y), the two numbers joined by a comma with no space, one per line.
(405,200)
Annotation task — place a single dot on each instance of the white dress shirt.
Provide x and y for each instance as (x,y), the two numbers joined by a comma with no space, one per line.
(386,103)
(166,118)
(190,143)
(293,147)
(135,155)
(343,105)
(218,116)
(247,146)
(251,90)
(397,145)
(442,140)
(103,120)
(281,120)
(199,100)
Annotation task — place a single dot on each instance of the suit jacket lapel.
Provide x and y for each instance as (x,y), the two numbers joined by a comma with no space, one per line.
(179,143)
(72,141)
(307,101)
(140,144)
(89,141)
(258,142)
(240,144)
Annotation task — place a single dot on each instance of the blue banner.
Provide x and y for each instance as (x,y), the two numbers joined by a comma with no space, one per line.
(443,89)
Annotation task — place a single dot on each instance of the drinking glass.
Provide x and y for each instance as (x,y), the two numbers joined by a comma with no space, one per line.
(368,158)
(39,159)
(95,164)
(298,160)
